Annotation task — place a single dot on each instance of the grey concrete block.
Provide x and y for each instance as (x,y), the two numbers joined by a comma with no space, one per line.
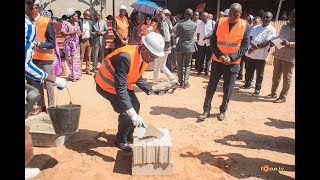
(42,132)
(152,150)
(152,169)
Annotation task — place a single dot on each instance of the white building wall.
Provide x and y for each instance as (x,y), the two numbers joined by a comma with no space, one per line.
(59,7)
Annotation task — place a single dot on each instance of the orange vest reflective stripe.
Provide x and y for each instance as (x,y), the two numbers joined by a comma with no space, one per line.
(122,26)
(105,75)
(42,54)
(229,42)
(144,29)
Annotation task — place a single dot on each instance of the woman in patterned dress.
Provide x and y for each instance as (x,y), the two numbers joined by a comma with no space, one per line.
(71,30)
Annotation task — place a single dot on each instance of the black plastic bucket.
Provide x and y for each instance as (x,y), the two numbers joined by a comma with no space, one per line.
(65,118)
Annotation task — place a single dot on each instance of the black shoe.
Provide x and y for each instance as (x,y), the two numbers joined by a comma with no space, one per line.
(203,116)
(256,93)
(239,78)
(198,73)
(244,87)
(221,116)
(130,139)
(124,146)
(206,73)
(186,86)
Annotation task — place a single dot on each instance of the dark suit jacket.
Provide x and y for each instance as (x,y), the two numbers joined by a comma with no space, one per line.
(81,29)
(185,31)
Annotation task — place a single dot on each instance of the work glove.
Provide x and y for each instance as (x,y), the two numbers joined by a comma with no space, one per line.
(135,118)
(60,83)
(159,92)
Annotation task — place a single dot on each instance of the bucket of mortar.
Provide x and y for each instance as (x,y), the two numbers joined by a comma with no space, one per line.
(65,118)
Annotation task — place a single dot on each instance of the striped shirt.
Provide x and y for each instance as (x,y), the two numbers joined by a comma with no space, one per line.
(31,70)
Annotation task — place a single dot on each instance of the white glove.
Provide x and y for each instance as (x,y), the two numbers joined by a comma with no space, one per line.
(135,118)
(60,83)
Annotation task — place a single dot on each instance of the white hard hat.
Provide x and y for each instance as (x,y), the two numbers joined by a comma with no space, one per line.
(226,12)
(37,2)
(154,43)
(166,11)
(123,7)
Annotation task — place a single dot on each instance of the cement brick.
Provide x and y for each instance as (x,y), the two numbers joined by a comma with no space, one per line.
(42,132)
(153,150)
(152,169)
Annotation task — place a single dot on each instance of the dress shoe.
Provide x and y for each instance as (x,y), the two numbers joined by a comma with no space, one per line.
(280,100)
(124,146)
(186,86)
(206,73)
(239,78)
(198,73)
(221,116)
(244,87)
(130,139)
(256,93)
(271,96)
(203,116)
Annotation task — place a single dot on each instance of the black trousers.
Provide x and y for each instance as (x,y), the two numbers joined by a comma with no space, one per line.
(125,126)
(241,67)
(251,66)
(203,52)
(229,73)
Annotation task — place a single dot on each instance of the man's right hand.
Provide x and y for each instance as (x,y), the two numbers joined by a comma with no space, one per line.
(61,83)
(137,120)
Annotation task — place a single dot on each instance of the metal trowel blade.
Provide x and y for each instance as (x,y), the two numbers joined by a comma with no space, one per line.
(153,132)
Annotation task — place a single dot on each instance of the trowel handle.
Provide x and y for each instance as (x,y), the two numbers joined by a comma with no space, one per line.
(143,125)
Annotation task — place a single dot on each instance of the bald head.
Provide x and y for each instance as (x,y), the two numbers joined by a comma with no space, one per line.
(204,17)
(188,14)
(236,6)
(210,16)
(235,11)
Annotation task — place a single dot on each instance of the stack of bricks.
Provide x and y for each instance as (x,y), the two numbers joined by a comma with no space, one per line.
(152,156)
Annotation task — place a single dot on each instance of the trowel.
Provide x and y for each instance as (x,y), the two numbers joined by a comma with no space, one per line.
(147,131)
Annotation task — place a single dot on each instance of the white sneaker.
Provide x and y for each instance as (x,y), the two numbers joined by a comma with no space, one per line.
(30,173)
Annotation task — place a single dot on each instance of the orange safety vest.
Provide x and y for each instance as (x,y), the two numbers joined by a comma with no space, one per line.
(105,75)
(144,29)
(42,54)
(122,26)
(229,41)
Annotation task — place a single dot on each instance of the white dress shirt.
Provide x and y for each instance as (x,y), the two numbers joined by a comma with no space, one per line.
(86,29)
(166,31)
(205,30)
(261,34)
(195,33)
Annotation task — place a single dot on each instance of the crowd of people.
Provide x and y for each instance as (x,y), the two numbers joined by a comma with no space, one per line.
(223,48)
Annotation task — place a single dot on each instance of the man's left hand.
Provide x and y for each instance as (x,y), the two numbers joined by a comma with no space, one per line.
(227,60)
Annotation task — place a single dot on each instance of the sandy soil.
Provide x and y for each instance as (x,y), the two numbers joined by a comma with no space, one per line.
(256,132)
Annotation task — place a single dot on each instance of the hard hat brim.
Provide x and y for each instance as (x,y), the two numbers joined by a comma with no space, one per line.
(159,54)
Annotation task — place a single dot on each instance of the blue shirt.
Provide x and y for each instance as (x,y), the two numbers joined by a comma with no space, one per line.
(31,70)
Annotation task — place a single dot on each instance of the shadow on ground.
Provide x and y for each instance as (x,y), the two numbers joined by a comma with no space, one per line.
(247,139)
(42,161)
(123,162)
(86,140)
(280,124)
(177,113)
(241,167)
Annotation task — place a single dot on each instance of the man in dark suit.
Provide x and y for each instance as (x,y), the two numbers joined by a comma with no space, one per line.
(86,40)
(185,47)
(100,30)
